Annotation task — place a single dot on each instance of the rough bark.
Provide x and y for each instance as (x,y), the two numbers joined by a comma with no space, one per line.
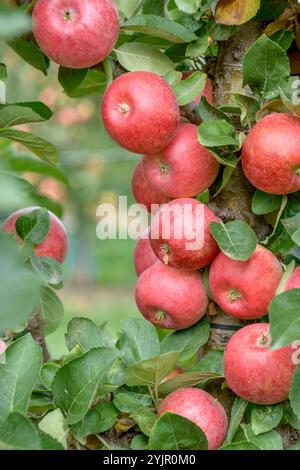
(234,202)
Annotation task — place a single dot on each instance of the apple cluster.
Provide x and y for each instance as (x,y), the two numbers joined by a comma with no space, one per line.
(141,113)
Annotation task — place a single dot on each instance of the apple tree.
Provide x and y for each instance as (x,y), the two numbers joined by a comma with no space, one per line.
(206,93)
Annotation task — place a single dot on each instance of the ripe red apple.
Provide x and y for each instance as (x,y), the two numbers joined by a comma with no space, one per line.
(271,154)
(144,256)
(207,91)
(140,112)
(202,409)
(294,280)
(180,234)
(143,192)
(253,371)
(55,245)
(184,168)
(244,289)
(171,298)
(74,33)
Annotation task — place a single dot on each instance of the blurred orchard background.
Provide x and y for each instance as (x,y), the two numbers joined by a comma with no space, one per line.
(99,275)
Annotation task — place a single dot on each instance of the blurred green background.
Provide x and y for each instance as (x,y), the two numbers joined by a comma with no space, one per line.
(99,274)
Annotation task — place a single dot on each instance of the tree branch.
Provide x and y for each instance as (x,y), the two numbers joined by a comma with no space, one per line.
(36,328)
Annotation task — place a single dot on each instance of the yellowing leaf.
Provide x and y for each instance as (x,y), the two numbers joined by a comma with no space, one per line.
(236,11)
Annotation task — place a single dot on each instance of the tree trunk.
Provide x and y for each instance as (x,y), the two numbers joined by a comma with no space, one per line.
(234,202)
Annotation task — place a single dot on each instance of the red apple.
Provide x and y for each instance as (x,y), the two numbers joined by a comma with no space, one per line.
(244,289)
(143,192)
(55,245)
(184,168)
(271,154)
(171,298)
(140,112)
(144,256)
(74,33)
(202,409)
(294,280)
(180,234)
(253,371)
(207,91)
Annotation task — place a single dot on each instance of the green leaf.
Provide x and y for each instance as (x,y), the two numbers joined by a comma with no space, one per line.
(30,52)
(48,373)
(199,47)
(217,133)
(75,384)
(237,412)
(49,443)
(265,67)
(204,196)
(13,22)
(241,445)
(226,176)
(236,239)
(187,342)
(150,372)
(99,419)
(145,419)
(211,362)
(278,227)
(285,277)
(173,77)
(267,441)
(139,442)
(93,84)
(136,56)
(25,163)
(265,418)
(18,375)
(290,416)
(189,379)
(34,226)
(52,309)
(174,432)
(85,333)
(208,112)
(128,402)
(295,393)
(284,315)
(188,6)
(19,433)
(236,12)
(71,79)
(270,10)
(283,38)
(159,27)
(20,113)
(228,159)
(292,226)
(263,203)
(249,108)
(19,286)
(48,269)
(40,147)
(138,341)
(54,424)
(188,90)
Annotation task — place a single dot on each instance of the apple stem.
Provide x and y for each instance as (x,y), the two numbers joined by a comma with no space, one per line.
(166,250)
(264,340)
